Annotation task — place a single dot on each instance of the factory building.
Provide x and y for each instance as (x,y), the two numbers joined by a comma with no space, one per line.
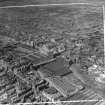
(62,85)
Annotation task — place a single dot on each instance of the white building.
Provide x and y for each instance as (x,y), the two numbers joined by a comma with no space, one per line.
(44,50)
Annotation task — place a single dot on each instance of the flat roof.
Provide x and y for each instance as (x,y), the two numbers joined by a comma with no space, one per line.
(56,68)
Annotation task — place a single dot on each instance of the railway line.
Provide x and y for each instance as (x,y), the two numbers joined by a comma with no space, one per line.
(86,94)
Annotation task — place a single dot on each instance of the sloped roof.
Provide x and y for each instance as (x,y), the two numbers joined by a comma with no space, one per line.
(62,85)
(51,90)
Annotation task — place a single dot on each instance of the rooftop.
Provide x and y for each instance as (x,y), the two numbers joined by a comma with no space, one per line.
(62,85)
(57,68)
(51,90)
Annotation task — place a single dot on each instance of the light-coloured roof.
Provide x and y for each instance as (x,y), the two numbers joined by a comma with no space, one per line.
(62,85)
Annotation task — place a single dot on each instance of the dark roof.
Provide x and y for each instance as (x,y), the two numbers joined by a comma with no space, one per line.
(51,90)
(45,72)
(56,68)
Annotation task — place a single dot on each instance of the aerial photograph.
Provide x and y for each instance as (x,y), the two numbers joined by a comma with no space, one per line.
(52,55)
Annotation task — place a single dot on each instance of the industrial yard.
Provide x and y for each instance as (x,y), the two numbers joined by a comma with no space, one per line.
(52,54)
